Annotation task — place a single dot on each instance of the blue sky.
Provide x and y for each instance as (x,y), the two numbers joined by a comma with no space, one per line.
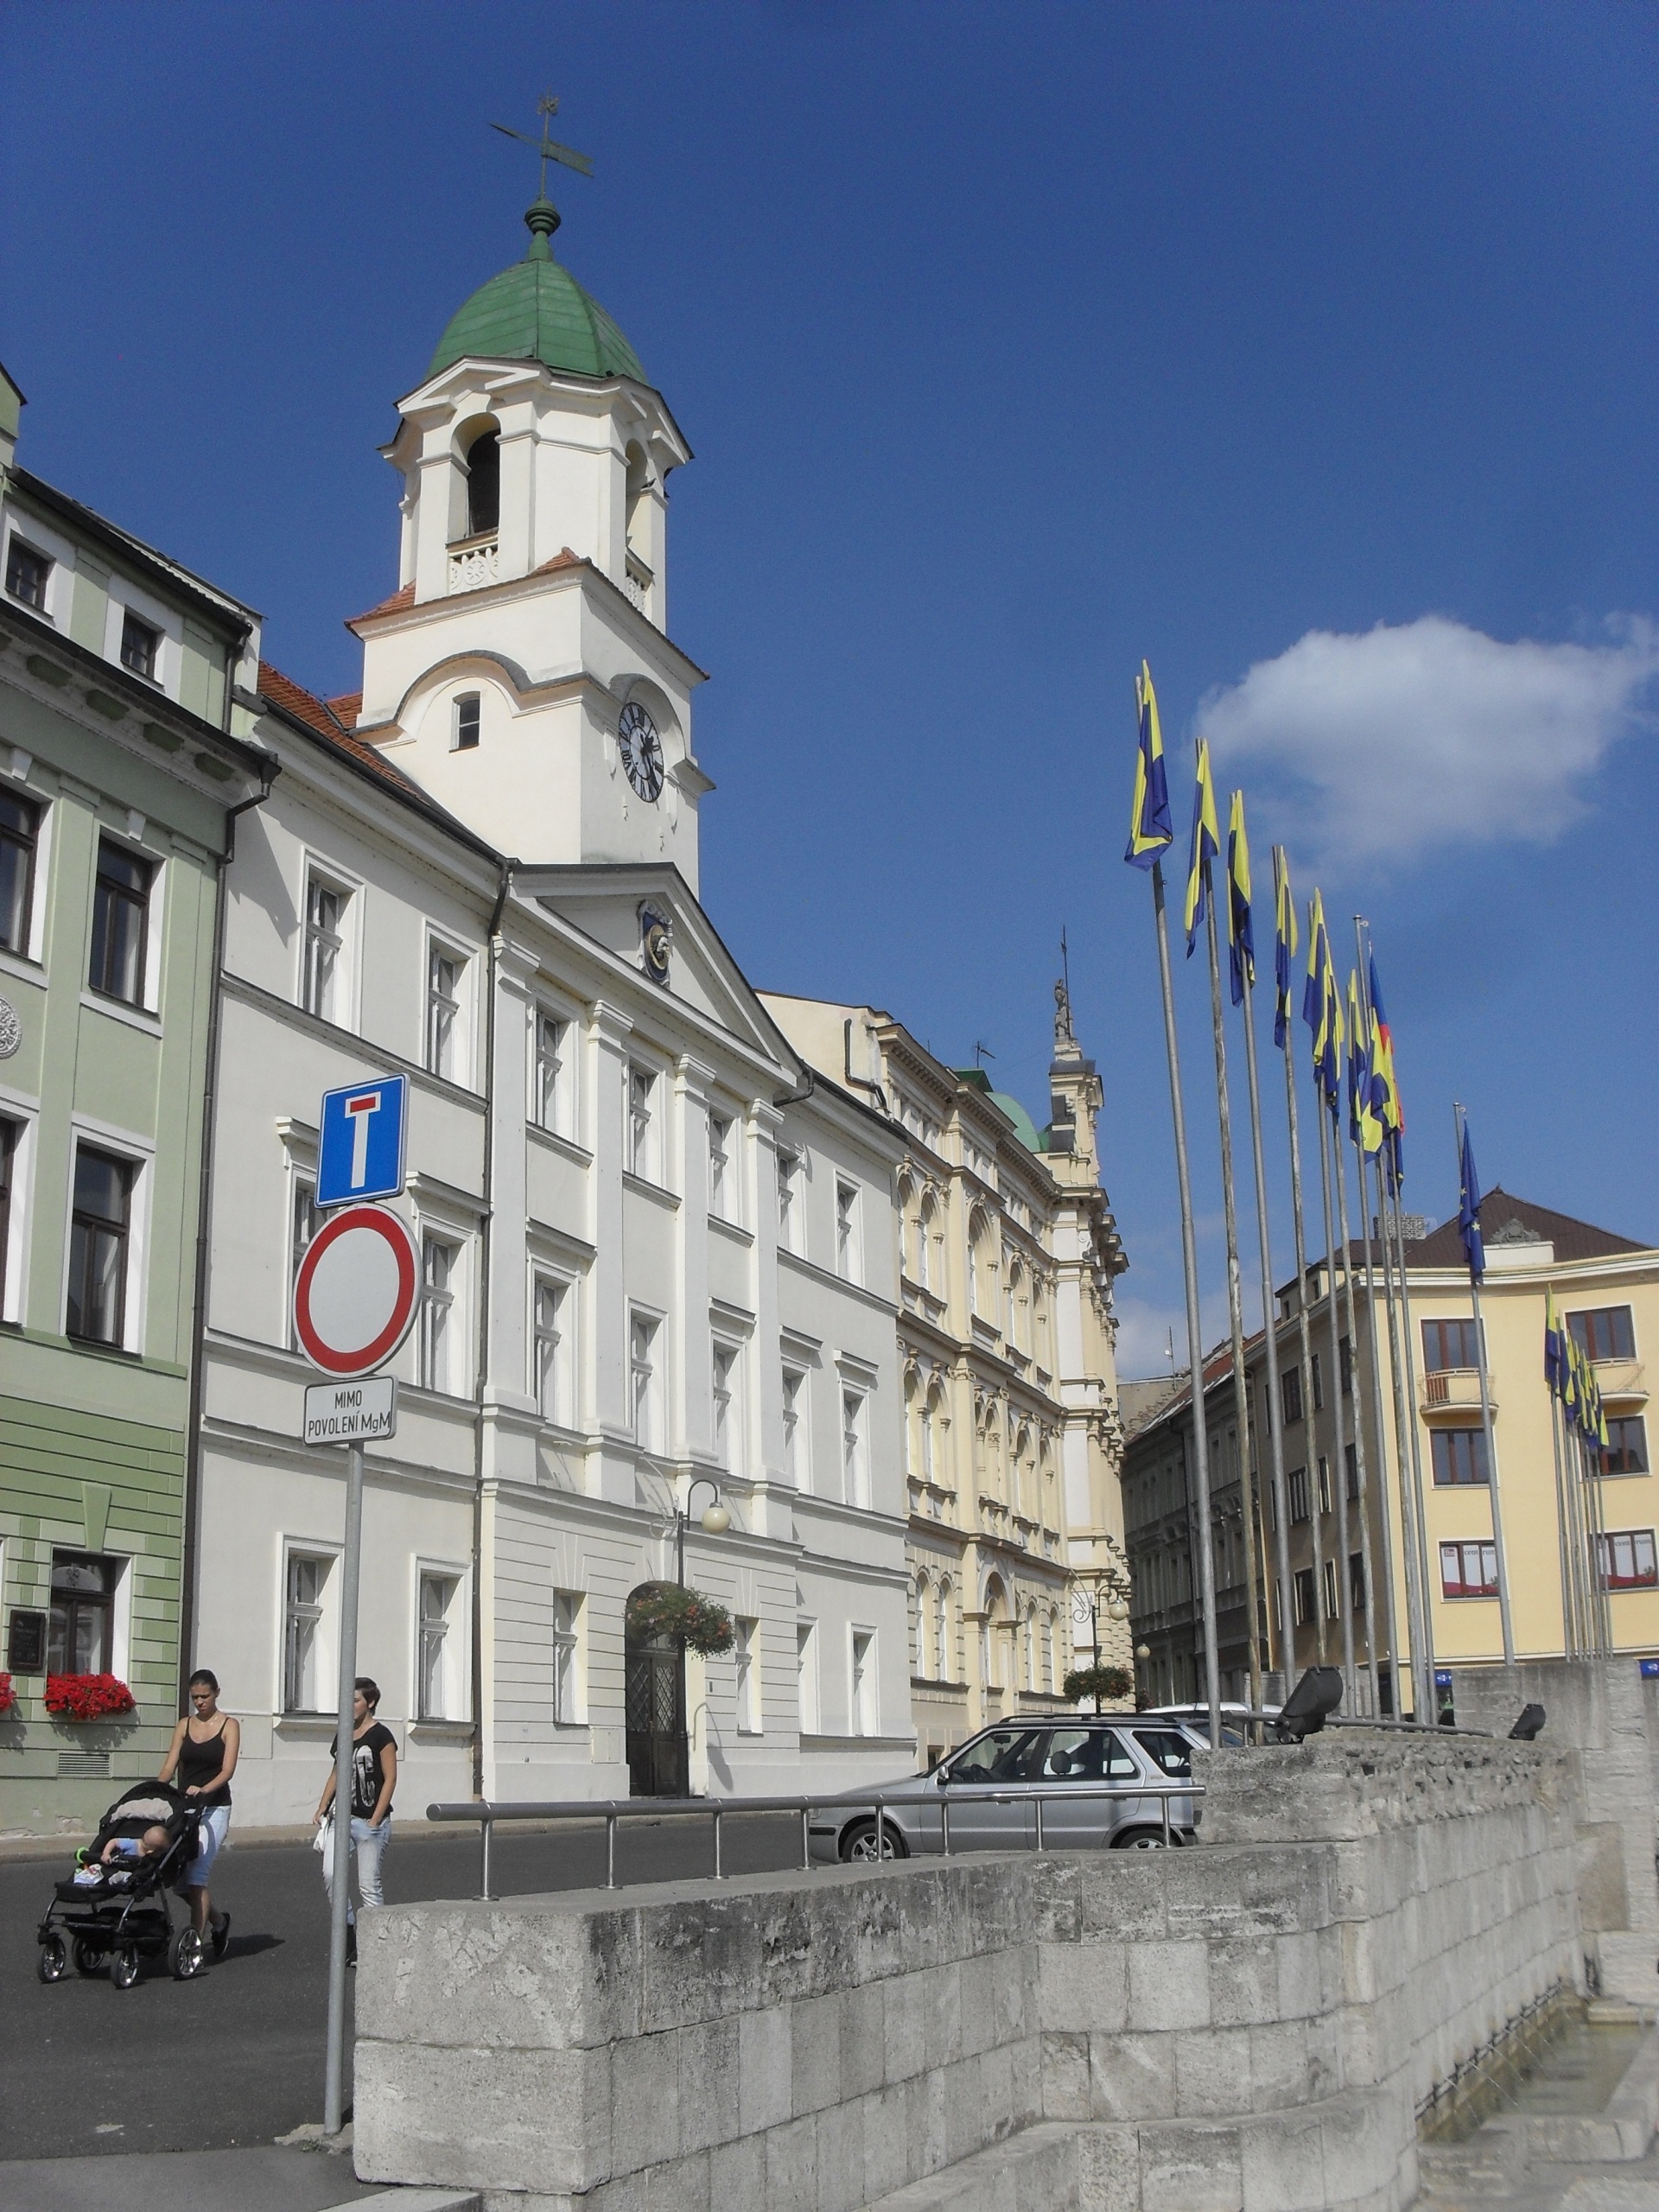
(1014,343)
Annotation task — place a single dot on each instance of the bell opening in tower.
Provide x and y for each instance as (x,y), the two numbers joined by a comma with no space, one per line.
(483,484)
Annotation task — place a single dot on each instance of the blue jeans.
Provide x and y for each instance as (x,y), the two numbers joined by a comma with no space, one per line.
(369,1846)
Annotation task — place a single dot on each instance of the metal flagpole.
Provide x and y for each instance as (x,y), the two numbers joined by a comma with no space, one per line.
(1569,1629)
(1504,1619)
(340,1840)
(1361,1489)
(1194,1322)
(1235,1303)
(1305,1339)
(1419,1501)
(1375,1349)
(1272,1409)
(1422,1692)
(1338,1474)
(1601,1557)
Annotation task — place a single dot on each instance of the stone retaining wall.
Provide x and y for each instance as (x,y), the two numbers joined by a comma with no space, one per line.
(1248,2026)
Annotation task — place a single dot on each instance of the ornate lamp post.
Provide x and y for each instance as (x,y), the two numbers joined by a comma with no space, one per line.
(714,1521)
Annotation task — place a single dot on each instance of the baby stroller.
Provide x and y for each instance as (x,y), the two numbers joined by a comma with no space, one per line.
(123,1913)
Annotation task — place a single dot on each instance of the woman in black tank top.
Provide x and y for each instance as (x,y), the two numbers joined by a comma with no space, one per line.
(201,1765)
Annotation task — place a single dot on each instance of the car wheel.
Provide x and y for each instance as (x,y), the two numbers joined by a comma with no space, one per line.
(858,1844)
(1146,1840)
(53,1961)
(123,1965)
(89,1958)
(186,1955)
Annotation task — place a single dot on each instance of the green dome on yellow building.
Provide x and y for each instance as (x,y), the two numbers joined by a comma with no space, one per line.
(536,311)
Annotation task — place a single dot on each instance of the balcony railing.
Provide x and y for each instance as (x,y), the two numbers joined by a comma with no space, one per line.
(637,580)
(473,563)
(1453,1389)
(1621,1379)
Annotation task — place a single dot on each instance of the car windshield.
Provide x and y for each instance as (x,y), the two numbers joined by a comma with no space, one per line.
(1088,1754)
(1000,1755)
(1166,1748)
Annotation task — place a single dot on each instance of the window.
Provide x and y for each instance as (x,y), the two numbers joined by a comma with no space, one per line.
(854,1457)
(1626,1452)
(927,1436)
(10,1131)
(642,1089)
(141,644)
(1626,1559)
(325,909)
(846,1231)
(1448,1345)
(437,1312)
(443,974)
(806,1675)
(483,484)
(720,1136)
(943,1653)
(20,824)
(1319,1384)
(1325,1484)
(1469,1570)
(120,918)
(566,1615)
(437,1693)
(1290,1391)
(642,1348)
(1346,1366)
(1357,1581)
(1351,1471)
(548,1376)
(795,1466)
(1298,1480)
(725,1421)
(1459,1456)
(467,720)
(307,1578)
(548,1106)
(1304,1596)
(27,574)
(924,1234)
(1329,1589)
(863,1685)
(80,1632)
(99,1226)
(789,1201)
(304,1223)
(1604,1333)
(748,1684)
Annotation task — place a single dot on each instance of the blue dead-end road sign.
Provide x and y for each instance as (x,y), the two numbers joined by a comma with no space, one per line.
(360,1141)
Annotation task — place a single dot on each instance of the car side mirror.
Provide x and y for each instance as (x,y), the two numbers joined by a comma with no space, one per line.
(941,1776)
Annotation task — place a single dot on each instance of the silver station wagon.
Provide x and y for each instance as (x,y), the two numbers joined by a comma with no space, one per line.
(1018,1759)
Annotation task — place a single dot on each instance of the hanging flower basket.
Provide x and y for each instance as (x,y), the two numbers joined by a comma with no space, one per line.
(8,1695)
(87,1697)
(1097,1682)
(659,1610)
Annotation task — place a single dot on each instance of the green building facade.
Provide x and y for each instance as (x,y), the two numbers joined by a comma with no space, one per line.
(119,781)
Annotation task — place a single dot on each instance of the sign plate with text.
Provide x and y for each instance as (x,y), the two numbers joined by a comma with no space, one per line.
(351,1413)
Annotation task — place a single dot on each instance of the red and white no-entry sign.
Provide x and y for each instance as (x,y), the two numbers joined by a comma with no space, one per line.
(356,1292)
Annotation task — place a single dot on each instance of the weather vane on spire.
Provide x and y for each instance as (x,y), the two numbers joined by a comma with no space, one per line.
(550,150)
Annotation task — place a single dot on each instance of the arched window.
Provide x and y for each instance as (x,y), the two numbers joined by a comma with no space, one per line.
(925,1244)
(1016,1292)
(918,1650)
(927,1436)
(1031,1647)
(990,1634)
(483,484)
(1052,1651)
(943,1642)
(638,489)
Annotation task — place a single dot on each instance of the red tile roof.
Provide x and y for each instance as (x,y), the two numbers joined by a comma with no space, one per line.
(347,709)
(1573,1239)
(403,597)
(293,699)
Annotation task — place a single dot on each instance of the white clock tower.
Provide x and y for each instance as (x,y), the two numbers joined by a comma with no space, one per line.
(522,673)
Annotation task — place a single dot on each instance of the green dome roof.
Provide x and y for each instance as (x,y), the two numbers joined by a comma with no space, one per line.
(536,311)
(1023,1128)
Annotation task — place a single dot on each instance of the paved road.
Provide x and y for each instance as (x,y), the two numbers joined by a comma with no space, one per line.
(236,2058)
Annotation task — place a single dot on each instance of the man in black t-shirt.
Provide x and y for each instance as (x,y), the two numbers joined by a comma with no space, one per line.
(374,1776)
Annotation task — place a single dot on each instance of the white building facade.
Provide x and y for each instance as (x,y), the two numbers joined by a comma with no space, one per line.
(656,1252)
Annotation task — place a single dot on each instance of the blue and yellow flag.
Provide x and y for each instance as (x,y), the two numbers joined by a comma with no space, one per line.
(1570,1399)
(1284,946)
(1322,1005)
(1241,934)
(1150,827)
(1330,1067)
(1385,1085)
(1552,1357)
(1469,1209)
(1364,1126)
(1206,844)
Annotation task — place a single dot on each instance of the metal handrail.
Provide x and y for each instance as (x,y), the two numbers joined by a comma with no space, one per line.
(612,1810)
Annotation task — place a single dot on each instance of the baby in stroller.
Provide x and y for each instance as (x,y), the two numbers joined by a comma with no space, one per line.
(114,1904)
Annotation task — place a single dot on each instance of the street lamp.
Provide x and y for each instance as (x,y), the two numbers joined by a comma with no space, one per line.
(714,1521)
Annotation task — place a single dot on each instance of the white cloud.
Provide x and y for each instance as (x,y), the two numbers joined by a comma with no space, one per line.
(1388,745)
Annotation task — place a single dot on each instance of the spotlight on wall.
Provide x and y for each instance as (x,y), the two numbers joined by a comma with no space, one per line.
(1303,1713)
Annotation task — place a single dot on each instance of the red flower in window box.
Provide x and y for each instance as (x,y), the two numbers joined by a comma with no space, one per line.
(87,1697)
(8,1695)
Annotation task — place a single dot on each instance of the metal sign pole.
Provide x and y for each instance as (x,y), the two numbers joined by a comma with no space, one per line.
(334,2085)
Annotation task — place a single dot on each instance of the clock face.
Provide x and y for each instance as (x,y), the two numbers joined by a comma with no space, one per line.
(641,750)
